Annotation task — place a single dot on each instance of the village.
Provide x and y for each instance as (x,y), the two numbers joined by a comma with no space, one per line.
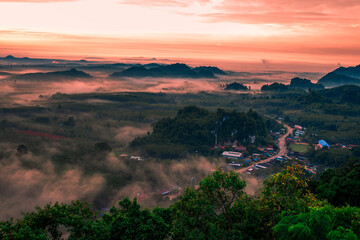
(290,145)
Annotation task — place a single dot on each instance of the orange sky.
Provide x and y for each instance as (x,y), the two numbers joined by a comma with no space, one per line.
(319,31)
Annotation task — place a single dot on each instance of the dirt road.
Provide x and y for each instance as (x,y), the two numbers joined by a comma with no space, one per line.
(282,147)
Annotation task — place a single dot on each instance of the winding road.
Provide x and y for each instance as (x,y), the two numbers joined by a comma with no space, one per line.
(282,146)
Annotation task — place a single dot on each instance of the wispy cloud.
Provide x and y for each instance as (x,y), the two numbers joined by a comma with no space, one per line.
(36,1)
(286,12)
(329,47)
(164,3)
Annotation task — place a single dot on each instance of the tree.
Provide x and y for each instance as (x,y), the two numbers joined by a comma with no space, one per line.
(130,222)
(340,186)
(210,211)
(22,150)
(288,191)
(323,223)
(76,219)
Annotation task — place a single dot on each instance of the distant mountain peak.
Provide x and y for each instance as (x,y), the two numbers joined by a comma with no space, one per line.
(341,76)
(9,57)
(176,70)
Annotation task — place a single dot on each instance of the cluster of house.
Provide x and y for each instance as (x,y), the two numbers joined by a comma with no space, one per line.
(299,131)
(133,157)
(278,133)
(297,134)
(235,146)
(267,164)
(263,152)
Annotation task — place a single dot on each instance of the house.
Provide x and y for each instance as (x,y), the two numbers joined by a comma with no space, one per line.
(235,165)
(270,148)
(260,166)
(234,155)
(298,127)
(323,143)
(137,158)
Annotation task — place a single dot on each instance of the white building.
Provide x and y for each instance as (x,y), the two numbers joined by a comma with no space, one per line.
(235,155)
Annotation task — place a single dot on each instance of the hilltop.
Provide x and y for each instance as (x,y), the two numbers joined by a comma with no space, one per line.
(296,83)
(177,70)
(58,75)
(341,76)
(195,129)
(304,84)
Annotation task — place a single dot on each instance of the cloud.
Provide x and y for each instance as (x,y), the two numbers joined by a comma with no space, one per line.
(128,133)
(163,3)
(276,17)
(37,1)
(285,12)
(22,189)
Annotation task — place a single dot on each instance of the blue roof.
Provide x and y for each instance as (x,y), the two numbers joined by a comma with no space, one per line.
(323,143)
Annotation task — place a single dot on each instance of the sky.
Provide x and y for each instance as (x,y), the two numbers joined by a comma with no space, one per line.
(312,31)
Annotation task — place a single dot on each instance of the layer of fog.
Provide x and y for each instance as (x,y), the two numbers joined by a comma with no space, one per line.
(29,92)
(22,188)
(127,133)
(30,180)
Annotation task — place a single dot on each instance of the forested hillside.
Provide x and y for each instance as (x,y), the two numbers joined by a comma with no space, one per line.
(196,130)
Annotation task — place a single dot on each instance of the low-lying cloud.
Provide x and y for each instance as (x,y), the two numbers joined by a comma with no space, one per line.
(22,189)
(128,133)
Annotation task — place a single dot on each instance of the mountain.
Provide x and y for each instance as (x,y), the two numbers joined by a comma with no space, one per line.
(35,61)
(349,71)
(60,75)
(195,129)
(177,70)
(280,87)
(236,86)
(5,74)
(304,84)
(214,70)
(10,57)
(341,76)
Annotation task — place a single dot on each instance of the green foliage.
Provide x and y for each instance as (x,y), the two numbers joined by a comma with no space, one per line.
(130,222)
(193,130)
(209,212)
(217,209)
(340,186)
(78,221)
(46,223)
(323,223)
(333,157)
(288,191)
(341,233)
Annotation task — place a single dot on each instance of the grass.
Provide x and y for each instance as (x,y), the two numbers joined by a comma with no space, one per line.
(301,148)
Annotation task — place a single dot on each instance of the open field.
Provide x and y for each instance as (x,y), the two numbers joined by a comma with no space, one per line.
(301,148)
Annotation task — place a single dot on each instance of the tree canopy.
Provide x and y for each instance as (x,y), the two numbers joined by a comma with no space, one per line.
(217,208)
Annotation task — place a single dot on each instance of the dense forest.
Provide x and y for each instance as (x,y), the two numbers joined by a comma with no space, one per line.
(286,207)
(196,130)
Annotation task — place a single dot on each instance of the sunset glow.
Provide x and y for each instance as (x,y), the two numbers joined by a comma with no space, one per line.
(319,31)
